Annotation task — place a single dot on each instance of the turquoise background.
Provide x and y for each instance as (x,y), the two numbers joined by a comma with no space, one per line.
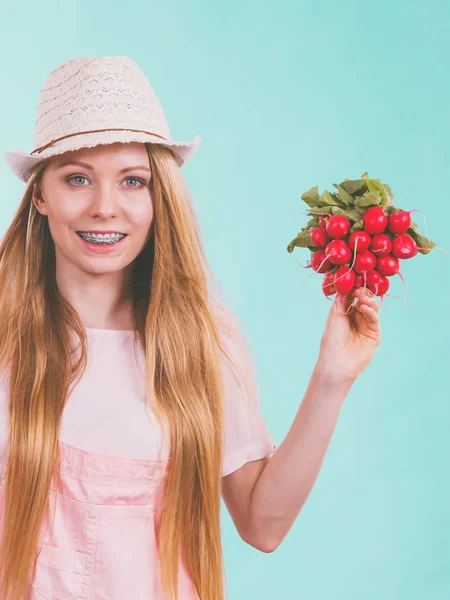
(288,95)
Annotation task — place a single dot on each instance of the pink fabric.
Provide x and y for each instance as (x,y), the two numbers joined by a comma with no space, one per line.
(103,545)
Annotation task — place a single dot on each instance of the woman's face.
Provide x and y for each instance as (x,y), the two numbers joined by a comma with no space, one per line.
(100,190)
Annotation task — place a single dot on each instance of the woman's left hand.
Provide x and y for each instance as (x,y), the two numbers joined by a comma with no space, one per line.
(351,335)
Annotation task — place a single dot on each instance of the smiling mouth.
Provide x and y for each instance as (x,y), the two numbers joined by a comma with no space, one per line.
(101,239)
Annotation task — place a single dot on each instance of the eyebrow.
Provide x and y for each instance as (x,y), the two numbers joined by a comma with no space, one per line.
(87,166)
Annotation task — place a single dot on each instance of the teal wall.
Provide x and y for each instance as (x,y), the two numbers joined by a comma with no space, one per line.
(286,96)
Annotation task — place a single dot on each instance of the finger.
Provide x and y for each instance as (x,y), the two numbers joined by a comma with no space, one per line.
(367,297)
(364,293)
(349,299)
(370,314)
(369,301)
(344,304)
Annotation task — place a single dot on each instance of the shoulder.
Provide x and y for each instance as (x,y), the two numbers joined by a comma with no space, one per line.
(229,326)
(238,361)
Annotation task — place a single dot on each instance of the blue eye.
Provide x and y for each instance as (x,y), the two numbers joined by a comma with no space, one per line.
(76,177)
(132,187)
(136,179)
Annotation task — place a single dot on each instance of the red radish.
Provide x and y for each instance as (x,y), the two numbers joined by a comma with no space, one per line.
(320,262)
(381,244)
(359,240)
(359,282)
(345,278)
(373,279)
(404,246)
(365,262)
(388,265)
(337,227)
(318,237)
(328,284)
(399,221)
(338,252)
(364,259)
(374,220)
(383,286)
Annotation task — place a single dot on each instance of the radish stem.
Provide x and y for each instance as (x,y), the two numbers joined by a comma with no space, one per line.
(318,213)
(302,266)
(424,219)
(354,254)
(432,249)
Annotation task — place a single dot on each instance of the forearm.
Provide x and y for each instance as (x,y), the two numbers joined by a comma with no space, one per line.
(289,476)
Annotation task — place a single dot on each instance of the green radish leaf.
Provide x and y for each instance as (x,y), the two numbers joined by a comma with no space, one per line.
(369,199)
(389,194)
(349,213)
(312,248)
(375,185)
(336,210)
(414,226)
(360,210)
(343,195)
(421,241)
(311,197)
(330,200)
(319,210)
(390,209)
(339,200)
(354,186)
(356,226)
(314,222)
(302,240)
(353,214)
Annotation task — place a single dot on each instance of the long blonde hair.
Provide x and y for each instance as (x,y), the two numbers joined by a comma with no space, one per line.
(179,330)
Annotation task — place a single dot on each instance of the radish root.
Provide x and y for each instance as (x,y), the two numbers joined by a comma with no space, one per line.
(406,288)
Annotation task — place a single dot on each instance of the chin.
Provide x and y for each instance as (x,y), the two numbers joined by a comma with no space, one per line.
(104,267)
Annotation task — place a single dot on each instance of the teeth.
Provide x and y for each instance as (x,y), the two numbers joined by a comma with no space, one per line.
(99,238)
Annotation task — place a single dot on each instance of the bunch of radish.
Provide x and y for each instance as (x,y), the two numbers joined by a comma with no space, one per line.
(357,237)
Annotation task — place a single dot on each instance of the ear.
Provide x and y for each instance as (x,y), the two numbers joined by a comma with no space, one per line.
(38,200)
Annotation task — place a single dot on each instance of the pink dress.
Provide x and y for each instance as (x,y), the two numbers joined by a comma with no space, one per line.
(103,544)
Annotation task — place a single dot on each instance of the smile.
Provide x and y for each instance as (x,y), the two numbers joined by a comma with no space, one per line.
(99,238)
(102,244)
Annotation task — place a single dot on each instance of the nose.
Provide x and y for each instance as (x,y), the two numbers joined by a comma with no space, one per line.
(105,201)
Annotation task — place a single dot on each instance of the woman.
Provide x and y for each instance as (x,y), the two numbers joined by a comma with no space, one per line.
(128,393)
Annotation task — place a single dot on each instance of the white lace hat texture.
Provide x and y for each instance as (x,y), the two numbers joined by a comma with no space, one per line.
(96,100)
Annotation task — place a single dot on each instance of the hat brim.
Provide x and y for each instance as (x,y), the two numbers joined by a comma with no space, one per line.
(22,164)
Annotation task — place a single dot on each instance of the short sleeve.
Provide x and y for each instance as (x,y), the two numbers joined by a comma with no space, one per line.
(246,435)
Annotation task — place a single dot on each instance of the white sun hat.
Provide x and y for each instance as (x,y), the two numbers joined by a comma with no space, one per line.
(96,100)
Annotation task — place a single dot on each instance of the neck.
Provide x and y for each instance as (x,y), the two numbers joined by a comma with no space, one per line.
(103,301)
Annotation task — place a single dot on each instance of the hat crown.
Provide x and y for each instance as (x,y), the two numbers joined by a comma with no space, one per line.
(90,93)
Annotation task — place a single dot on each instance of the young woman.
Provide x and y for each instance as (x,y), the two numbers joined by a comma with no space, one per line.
(128,396)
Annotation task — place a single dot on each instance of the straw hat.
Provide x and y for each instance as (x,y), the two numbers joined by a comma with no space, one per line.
(96,100)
